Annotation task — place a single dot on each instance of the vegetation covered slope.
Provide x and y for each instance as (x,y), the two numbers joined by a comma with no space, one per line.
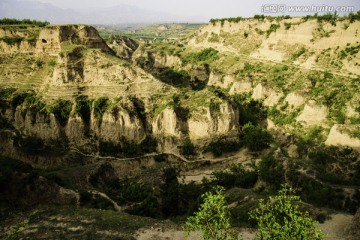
(253,102)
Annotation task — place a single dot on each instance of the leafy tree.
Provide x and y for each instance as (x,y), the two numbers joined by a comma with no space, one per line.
(256,138)
(213,217)
(280,219)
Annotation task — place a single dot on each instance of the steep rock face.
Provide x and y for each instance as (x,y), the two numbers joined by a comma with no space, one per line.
(23,47)
(37,124)
(15,39)
(207,124)
(241,87)
(75,130)
(115,126)
(295,99)
(51,38)
(124,47)
(167,123)
(163,61)
(218,80)
(338,137)
(259,92)
(273,98)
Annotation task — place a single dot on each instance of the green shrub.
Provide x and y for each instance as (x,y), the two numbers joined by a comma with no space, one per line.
(140,110)
(170,190)
(29,144)
(90,200)
(235,176)
(83,108)
(279,218)
(207,55)
(100,106)
(256,138)
(52,63)
(223,145)
(178,78)
(14,21)
(298,53)
(251,111)
(214,37)
(273,28)
(354,17)
(61,109)
(213,218)
(12,40)
(188,148)
(109,148)
(287,25)
(148,145)
(5,93)
(271,170)
(214,107)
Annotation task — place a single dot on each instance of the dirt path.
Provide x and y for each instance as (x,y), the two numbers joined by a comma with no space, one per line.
(336,227)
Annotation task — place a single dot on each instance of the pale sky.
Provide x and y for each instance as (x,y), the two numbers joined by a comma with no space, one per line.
(202,8)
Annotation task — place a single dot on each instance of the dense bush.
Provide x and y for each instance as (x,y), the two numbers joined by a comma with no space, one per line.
(223,145)
(273,28)
(271,170)
(13,21)
(170,192)
(29,144)
(140,110)
(90,200)
(235,176)
(213,218)
(100,106)
(255,138)
(251,111)
(178,78)
(5,93)
(279,218)
(83,108)
(12,40)
(61,109)
(128,148)
(188,148)
(207,55)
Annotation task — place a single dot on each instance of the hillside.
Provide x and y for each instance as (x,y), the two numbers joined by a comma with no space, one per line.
(126,126)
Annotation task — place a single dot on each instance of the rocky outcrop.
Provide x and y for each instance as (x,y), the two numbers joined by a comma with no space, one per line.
(207,124)
(313,114)
(240,87)
(166,61)
(167,124)
(339,136)
(51,38)
(259,92)
(273,98)
(120,125)
(123,46)
(221,81)
(295,99)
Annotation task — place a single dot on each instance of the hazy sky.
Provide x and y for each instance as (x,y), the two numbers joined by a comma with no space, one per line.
(201,8)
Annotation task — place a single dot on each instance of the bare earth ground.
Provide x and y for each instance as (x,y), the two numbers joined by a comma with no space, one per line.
(335,229)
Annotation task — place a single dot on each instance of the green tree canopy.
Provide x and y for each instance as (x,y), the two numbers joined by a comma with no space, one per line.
(280,219)
(213,217)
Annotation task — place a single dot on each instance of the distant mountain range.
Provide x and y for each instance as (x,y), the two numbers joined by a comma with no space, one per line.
(111,15)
